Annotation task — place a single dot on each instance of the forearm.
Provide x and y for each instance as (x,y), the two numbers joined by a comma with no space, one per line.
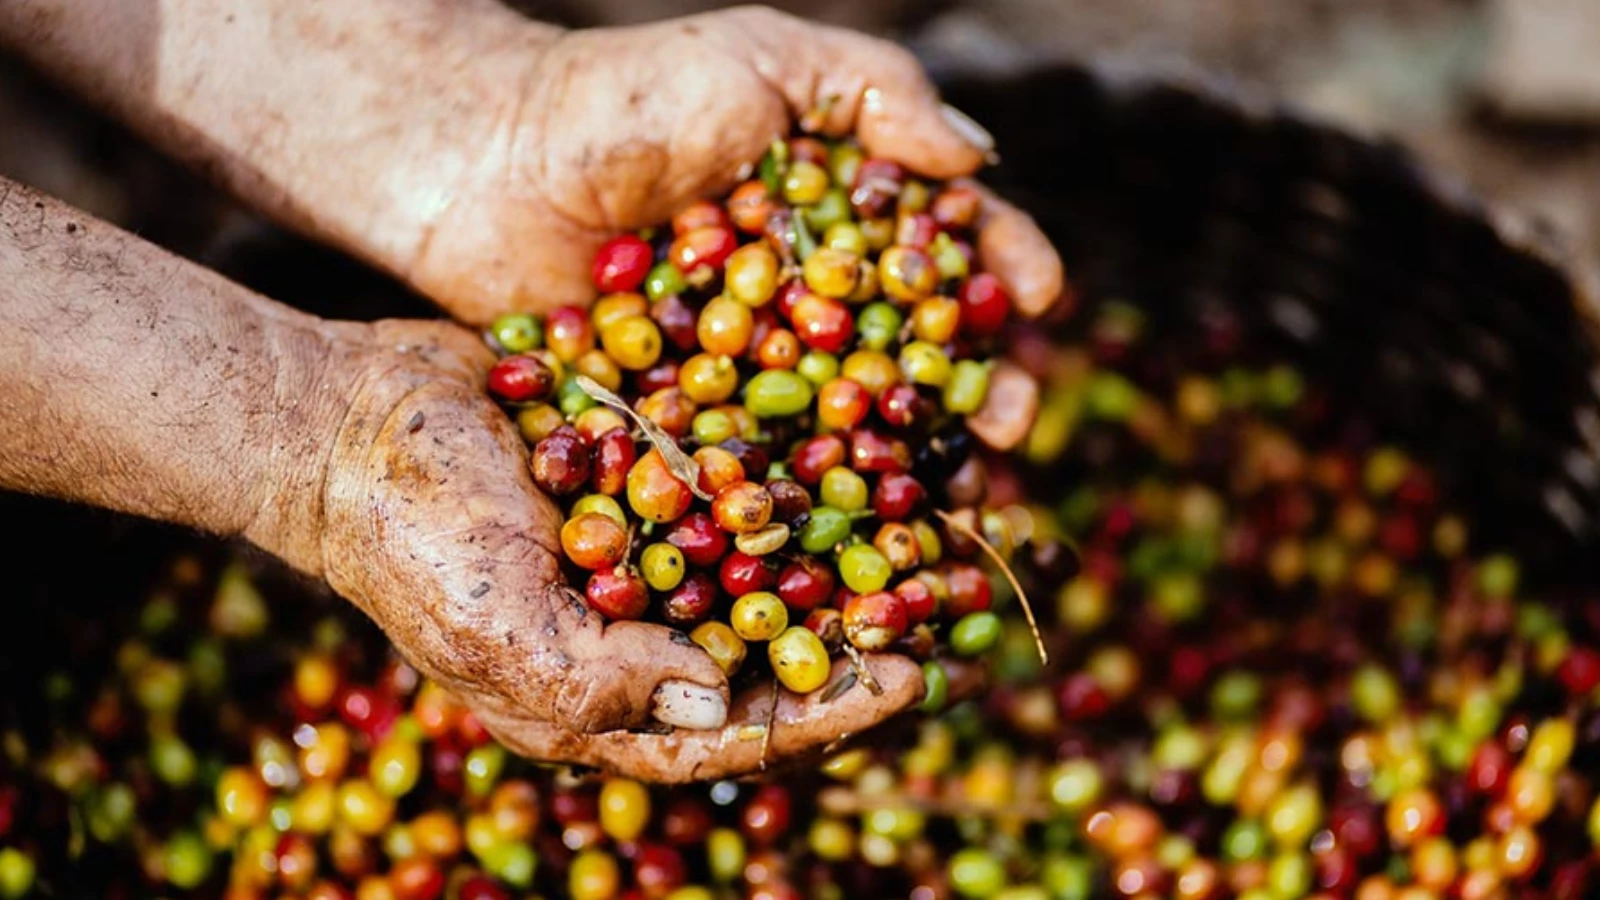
(133,380)
(282,102)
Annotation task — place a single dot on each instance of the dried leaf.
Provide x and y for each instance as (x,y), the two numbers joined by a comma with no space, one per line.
(681,464)
(1027,608)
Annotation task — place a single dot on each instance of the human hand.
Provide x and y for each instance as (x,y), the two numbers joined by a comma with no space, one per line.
(616,129)
(482,156)
(429,521)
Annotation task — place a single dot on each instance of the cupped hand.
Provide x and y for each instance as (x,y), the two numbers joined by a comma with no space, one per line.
(602,131)
(430,522)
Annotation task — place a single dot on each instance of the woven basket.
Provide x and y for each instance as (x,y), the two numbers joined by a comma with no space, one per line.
(1465,335)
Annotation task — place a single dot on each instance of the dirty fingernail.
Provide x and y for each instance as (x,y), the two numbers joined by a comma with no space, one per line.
(970,130)
(684,704)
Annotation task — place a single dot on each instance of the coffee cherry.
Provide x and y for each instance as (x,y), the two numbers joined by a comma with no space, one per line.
(634,342)
(749,207)
(873,621)
(568,333)
(594,541)
(654,493)
(742,574)
(701,252)
(699,539)
(921,602)
(985,306)
(790,501)
(799,660)
(863,569)
(721,643)
(805,584)
(752,276)
(907,273)
(897,497)
(560,462)
(725,327)
(621,264)
(842,404)
(521,379)
(614,456)
(618,593)
(719,469)
(758,616)
(816,456)
(691,602)
(662,566)
(742,508)
(899,545)
(822,324)
(708,379)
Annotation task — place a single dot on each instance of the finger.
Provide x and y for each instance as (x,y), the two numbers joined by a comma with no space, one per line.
(866,86)
(886,99)
(801,728)
(658,670)
(1011,246)
(1009,408)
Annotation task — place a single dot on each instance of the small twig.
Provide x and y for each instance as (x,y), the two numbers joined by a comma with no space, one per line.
(1005,569)
(867,679)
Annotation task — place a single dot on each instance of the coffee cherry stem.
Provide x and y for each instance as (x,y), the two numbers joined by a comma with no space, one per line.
(956,524)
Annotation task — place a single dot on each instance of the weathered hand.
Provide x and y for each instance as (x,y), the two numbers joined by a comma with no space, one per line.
(482,157)
(430,522)
(596,132)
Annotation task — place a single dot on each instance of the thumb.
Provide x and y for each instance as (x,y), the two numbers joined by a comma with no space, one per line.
(767,728)
(628,674)
(858,84)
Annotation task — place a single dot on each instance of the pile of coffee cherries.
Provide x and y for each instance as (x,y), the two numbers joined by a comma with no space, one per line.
(1278,670)
(749,431)
(1280,667)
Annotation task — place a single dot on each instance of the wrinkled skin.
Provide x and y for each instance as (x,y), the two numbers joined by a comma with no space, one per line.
(482,159)
(432,526)
(617,129)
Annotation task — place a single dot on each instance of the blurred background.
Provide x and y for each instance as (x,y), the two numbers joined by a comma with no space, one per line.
(1504,94)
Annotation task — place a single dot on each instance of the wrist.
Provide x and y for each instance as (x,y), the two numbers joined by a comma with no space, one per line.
(340,388)
(317,372)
